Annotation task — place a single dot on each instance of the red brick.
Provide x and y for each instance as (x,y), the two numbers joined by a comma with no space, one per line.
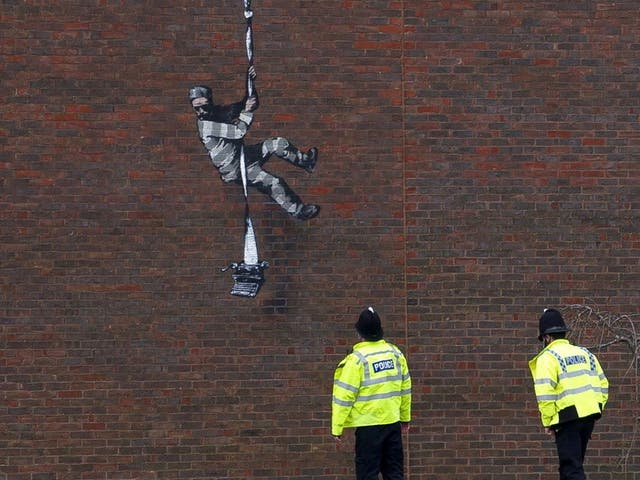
(478,162)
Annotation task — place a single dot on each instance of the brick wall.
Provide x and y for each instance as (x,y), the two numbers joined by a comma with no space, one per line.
(478,163)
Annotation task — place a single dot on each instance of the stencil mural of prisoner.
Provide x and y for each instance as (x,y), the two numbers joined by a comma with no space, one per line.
(222,129)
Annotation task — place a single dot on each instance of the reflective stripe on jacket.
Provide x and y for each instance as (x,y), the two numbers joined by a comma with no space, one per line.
(569,383)
(371,386)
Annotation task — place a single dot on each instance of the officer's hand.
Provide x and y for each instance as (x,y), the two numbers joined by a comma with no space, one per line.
(550,431)
(337,438)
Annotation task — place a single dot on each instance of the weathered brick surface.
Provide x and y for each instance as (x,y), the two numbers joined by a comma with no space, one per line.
(478,163)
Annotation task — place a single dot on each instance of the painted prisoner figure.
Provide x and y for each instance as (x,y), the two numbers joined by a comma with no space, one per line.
(222,130)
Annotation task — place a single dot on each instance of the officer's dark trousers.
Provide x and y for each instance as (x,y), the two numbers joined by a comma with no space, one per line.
(571,441)
(379,450)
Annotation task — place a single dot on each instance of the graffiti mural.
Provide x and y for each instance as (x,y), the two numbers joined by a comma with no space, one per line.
(222,129)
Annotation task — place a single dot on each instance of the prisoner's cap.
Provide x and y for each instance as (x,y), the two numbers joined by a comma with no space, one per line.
(200,91)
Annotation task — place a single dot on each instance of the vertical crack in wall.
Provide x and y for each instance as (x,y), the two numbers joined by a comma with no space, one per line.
(404,208)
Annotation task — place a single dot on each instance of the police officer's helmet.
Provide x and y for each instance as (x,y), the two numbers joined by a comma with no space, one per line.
(200,91)
(369,326)
(551,321)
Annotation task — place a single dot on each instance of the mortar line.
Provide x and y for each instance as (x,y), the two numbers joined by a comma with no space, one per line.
(404,205)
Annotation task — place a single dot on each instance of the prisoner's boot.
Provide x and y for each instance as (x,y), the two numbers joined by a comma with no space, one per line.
(309,160)
(307,212)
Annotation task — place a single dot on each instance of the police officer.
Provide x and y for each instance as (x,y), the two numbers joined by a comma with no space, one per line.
(571,390)
(372,392)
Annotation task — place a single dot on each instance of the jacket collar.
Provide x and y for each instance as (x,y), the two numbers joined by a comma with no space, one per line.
(367,343)
(559,341)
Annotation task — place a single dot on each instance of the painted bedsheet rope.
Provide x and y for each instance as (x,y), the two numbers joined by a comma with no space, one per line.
(249,274)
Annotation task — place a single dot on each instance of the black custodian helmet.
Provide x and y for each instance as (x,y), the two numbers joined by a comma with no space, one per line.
(369,325)
(551,321)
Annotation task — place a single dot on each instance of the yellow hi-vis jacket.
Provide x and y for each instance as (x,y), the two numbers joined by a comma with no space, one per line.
(371,386)
(569,383)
